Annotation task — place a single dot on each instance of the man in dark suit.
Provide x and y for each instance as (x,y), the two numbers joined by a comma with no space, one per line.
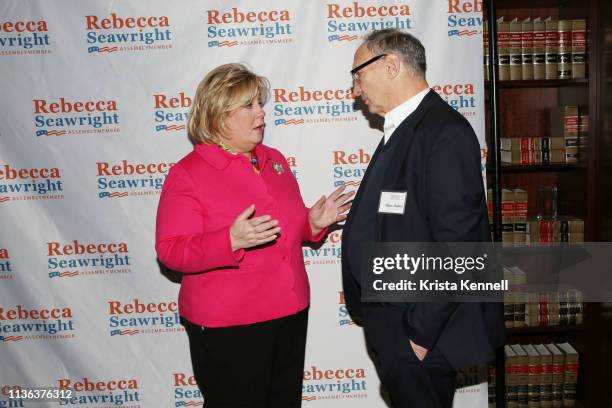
(430,156)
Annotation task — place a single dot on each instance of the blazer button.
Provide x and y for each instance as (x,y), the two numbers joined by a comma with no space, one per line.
(285,258)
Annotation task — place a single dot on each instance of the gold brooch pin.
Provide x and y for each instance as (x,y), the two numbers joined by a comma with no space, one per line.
(278,168)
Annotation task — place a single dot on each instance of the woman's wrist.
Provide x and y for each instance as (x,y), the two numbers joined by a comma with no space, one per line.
(314,230)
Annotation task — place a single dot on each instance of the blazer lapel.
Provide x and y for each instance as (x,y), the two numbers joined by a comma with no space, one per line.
(357,198)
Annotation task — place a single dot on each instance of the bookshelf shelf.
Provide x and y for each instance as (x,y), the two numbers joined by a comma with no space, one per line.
(509,168)
(517,331)
(542,83)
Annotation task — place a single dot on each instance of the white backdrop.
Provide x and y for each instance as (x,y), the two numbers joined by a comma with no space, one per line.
(94,97)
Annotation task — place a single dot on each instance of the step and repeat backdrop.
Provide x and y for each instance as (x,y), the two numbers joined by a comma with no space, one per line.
(94,100)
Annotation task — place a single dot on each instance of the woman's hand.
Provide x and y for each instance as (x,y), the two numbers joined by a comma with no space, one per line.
(247,233)
(327,211)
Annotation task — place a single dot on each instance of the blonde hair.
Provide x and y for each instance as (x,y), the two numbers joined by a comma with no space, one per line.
(222,90)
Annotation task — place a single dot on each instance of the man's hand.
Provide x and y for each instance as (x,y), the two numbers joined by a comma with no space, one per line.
(420,352)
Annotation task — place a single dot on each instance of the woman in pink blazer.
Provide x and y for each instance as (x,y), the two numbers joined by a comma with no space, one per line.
(232,219)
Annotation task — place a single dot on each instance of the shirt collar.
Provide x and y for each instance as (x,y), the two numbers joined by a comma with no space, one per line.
(220,159)
(397,115)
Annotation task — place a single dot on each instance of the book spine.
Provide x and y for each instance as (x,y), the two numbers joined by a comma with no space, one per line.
(557,384)
(527,48)
(519,310)
(564,58)
(545,150)
(533,386)
(570,379)
(503,39)
(552,48)
(546,384)
(583,136)
(511,382)
(578,48)
(509,310)
(539,49)
(515,51)
(570,132)
(523,384)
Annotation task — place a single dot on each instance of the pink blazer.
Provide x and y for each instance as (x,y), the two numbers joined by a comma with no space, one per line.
(202,196)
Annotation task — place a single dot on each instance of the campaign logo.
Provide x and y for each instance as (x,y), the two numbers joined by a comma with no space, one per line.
(292,162)
(313,106)
(171,112)
(239,27)
(460,97)
(329,253)
(86,392)
(123,179)
(24,37)
(464,18)
(334,384)
(127,34)
(19,323)
(37,183)
(87,259)
(186,391)
(64,117)
(6,267)
(355,21)
(349,167)
(344,318)
(137,317)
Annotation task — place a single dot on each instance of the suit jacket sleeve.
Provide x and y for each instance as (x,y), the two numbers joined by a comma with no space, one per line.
(454,211)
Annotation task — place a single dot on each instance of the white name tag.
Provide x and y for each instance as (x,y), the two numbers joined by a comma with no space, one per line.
(392,202)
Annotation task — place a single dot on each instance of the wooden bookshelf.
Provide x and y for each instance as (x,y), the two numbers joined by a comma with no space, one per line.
(522,109)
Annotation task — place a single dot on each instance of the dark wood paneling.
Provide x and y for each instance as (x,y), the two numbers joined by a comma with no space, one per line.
(526,112)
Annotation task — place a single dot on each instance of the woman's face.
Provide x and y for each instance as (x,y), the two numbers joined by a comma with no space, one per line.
(244,127)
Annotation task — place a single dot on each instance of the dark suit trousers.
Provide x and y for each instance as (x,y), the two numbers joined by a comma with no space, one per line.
(411,383)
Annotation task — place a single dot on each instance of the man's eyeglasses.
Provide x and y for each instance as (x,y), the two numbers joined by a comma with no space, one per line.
(355,71)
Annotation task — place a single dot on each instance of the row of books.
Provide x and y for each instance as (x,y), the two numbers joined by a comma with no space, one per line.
(538,49)
(567,143)
(520,229)
(562,155)
(540,375)
(515,203)
(539,309)
(561,229)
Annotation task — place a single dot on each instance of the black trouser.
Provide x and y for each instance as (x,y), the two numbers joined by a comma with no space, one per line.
(258,365)
(411,383)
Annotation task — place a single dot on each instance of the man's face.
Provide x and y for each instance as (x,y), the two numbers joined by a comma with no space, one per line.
(367,85)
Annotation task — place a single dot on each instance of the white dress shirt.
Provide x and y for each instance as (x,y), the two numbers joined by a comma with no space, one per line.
(394,117)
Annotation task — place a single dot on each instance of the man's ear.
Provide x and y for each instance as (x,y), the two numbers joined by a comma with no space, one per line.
(392,66)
